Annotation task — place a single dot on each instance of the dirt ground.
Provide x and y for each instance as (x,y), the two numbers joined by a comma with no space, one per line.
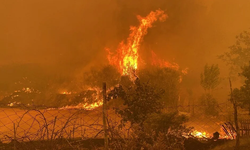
(43,124)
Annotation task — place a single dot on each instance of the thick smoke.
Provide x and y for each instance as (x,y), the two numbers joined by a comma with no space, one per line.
(66,37)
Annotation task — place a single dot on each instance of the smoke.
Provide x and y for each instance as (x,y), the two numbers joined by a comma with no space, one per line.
(65,37)
(58,32)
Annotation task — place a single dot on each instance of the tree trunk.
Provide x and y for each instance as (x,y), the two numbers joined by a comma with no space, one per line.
(104,117)
(237,127)
(234,102)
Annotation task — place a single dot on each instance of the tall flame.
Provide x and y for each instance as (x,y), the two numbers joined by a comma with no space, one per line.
(126,58)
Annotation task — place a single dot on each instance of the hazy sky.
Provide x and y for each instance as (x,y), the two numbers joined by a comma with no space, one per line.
(68,35)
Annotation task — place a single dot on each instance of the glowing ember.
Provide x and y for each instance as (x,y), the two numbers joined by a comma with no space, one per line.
(27,90)
(184,71)
(126,58)
(66,92)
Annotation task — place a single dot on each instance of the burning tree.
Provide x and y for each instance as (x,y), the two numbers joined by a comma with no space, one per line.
(126,58)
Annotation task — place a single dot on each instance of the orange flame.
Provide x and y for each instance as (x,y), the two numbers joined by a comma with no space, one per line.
(199,134)
(206,135)
(165,64)
(162,63)
(126,58)
(85,106)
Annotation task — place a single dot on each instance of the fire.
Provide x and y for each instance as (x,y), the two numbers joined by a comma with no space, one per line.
(85,106)
(65,93)
(93,106)
(198,134)
(126,58)
(165,64)
(206,135)
(89,103)
(162,63)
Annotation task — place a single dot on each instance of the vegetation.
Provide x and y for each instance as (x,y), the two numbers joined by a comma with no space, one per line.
(151,128)
(239,53)
(166,79)
(95,77)
(141,101)
(242,94)
(209,81)
(210,77)
(210,103)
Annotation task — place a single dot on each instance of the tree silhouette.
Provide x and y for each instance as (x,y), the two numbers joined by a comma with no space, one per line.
(238,54)
(210,77)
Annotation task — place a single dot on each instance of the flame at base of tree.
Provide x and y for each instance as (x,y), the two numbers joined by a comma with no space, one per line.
(126,58)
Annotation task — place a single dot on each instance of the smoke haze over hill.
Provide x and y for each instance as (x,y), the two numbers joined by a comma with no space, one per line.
(66,37)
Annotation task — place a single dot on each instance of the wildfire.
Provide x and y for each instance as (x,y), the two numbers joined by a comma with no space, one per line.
(165,64)
(85,106)
(89,102)
(198,134)
(126,58)
(162,63)
(206,135)
(65,93)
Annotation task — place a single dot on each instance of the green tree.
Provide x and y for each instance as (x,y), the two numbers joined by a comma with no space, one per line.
(243,93)
(209,81)
(238,54)
(141,100)
(161,123)
(95,77)
(210,77)
(150,126)
(166,79)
